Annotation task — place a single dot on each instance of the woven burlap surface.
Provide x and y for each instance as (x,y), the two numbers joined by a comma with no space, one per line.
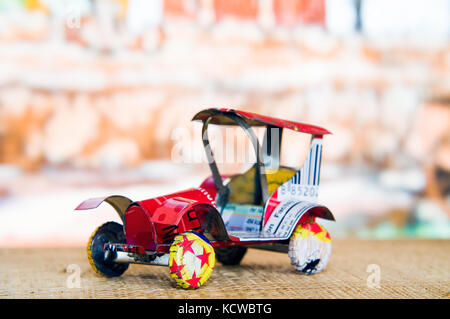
(408,269)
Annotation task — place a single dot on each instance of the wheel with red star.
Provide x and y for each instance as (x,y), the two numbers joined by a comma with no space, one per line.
(191,260)
(309,248)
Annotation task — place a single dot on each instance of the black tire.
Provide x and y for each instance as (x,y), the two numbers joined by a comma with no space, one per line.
(110,232)
(230,256)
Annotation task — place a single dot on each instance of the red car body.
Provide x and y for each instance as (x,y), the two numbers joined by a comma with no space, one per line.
(150,225)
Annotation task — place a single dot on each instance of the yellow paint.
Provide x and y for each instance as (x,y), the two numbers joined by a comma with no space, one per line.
(301,232)
(35,5)
(176,255)
(89,253)
(276,177)
(123,8)
(242,188)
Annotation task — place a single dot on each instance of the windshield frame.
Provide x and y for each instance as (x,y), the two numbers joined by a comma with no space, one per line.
(222,190)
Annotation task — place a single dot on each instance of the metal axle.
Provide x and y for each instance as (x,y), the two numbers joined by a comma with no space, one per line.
(130,258)
(136,258)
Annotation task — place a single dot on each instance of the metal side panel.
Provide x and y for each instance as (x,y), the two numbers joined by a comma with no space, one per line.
(118,202)
(286,216)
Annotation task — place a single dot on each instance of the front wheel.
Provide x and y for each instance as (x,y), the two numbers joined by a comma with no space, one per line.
(110,232)
(310,248)
(191,260)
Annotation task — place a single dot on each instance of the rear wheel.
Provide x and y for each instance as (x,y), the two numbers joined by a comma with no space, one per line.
(110,232)
(230,256)
(310,248)
(191,260)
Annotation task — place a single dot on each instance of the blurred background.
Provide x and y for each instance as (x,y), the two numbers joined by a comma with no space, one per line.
(93,91)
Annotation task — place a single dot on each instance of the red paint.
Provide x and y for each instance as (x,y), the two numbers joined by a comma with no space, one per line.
(176,269)
(209,186)
(272,203)
(204,257)
(125,247)
(193,282)
(90,203)
(187,245)
(139,230)
(254,119)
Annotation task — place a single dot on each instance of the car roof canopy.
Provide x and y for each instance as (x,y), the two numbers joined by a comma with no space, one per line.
(218,116)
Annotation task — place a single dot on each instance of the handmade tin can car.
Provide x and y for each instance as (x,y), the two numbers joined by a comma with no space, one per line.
(269,206)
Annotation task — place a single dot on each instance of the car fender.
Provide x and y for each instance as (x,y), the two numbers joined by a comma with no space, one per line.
(177,215)
(154,223)
(211,221)
(288,214)
(118,202)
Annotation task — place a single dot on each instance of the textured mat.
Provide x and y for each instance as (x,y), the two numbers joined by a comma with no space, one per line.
(408,269)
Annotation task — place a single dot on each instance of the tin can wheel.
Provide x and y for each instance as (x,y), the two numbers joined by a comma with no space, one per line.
(110,232)
(191,260)
(310,248)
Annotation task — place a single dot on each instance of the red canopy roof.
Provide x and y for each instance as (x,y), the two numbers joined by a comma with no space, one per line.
(256,120)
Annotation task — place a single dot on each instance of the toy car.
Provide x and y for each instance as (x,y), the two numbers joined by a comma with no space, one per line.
(269,206)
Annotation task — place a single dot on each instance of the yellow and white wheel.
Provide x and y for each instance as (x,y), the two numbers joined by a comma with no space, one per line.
(310,248)
(110,232)
(191,260)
